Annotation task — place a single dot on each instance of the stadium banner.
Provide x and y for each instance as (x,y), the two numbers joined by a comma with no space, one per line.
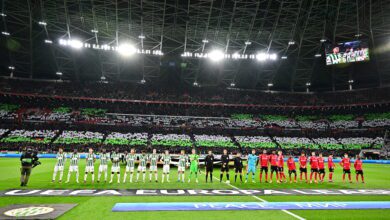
(82,156)
(222,206)
(190,192)
(34,211)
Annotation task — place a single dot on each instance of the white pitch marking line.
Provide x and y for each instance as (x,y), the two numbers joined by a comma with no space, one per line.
(260,199)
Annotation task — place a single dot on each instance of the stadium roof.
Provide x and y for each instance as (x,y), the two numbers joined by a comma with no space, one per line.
(294,29)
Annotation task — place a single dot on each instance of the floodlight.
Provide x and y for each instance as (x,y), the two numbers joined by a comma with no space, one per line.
(270,84)
(126,50)
(11,67)
(76,44)
(216,55)
(94,31)
(323,40)
(43,23)
(5,33)
(232,84)
(3,15)
(48,41)
(261,56)
(291,42)
(205,41)
(283,57)
(59,73)
(308,84)
(236,56)
(141,36)
(143,81)
(273,56)
(248,43)
(317,55)
(350,81)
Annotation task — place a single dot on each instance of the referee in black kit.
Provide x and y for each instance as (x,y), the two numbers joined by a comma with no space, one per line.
(224,166)
(209,163)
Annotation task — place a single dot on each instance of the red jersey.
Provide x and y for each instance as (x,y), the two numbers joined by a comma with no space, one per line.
(291,164)
(263,160)
(314,162)
(346,163)
(321,163)
(358,165)
(274,159)
(302,161)
(280,161)
(330,162)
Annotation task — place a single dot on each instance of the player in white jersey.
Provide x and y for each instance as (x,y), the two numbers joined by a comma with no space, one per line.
(153,159)
(115,168)
(61,158)
(90,167)
(74,165)
(130,163)
(183,163)
(142,160)
(166,160)
(104,158)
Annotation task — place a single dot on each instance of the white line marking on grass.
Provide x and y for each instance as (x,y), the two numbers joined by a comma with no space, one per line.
(260,199)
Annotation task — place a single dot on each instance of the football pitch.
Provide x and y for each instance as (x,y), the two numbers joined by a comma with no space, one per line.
(100,207)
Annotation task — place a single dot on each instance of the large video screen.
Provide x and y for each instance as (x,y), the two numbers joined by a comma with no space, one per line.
(348,52)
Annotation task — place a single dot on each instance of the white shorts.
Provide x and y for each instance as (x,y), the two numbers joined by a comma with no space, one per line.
(129,169)
(153,168)
(102,168)
(141,169)
(181,169)
(115,169)
(74,169)
(166,168)
(58,168)
(89,169)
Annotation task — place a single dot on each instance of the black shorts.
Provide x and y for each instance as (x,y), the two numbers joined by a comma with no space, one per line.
(238,169)
(225,169)
(274,169)
(209,169)
(280,169)
(322,171)
(359,172)
(292,171)
(331,170)
(303,170)
(264,169)
(346,171)
(314,170)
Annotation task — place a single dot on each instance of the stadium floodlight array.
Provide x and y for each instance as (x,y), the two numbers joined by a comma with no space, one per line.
(218,55)
(124,49)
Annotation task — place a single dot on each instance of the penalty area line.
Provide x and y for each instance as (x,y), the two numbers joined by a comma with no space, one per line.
(263,200)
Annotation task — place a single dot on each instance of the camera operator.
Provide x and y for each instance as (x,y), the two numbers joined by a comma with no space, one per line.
(29,159)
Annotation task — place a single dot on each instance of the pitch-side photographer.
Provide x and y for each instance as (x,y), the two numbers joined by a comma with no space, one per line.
(29,159)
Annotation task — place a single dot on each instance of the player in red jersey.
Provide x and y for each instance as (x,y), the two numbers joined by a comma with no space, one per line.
(274,166)
(331,167)
(314,167)
(282,177)
(358,168)
(291,168)
(264,160)
(302,165)
(346,164)
(321,167)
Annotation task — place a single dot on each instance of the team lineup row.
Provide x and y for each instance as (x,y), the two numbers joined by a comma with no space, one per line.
(274,160)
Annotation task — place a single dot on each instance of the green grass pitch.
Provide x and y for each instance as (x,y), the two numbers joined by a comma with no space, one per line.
(377,177)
